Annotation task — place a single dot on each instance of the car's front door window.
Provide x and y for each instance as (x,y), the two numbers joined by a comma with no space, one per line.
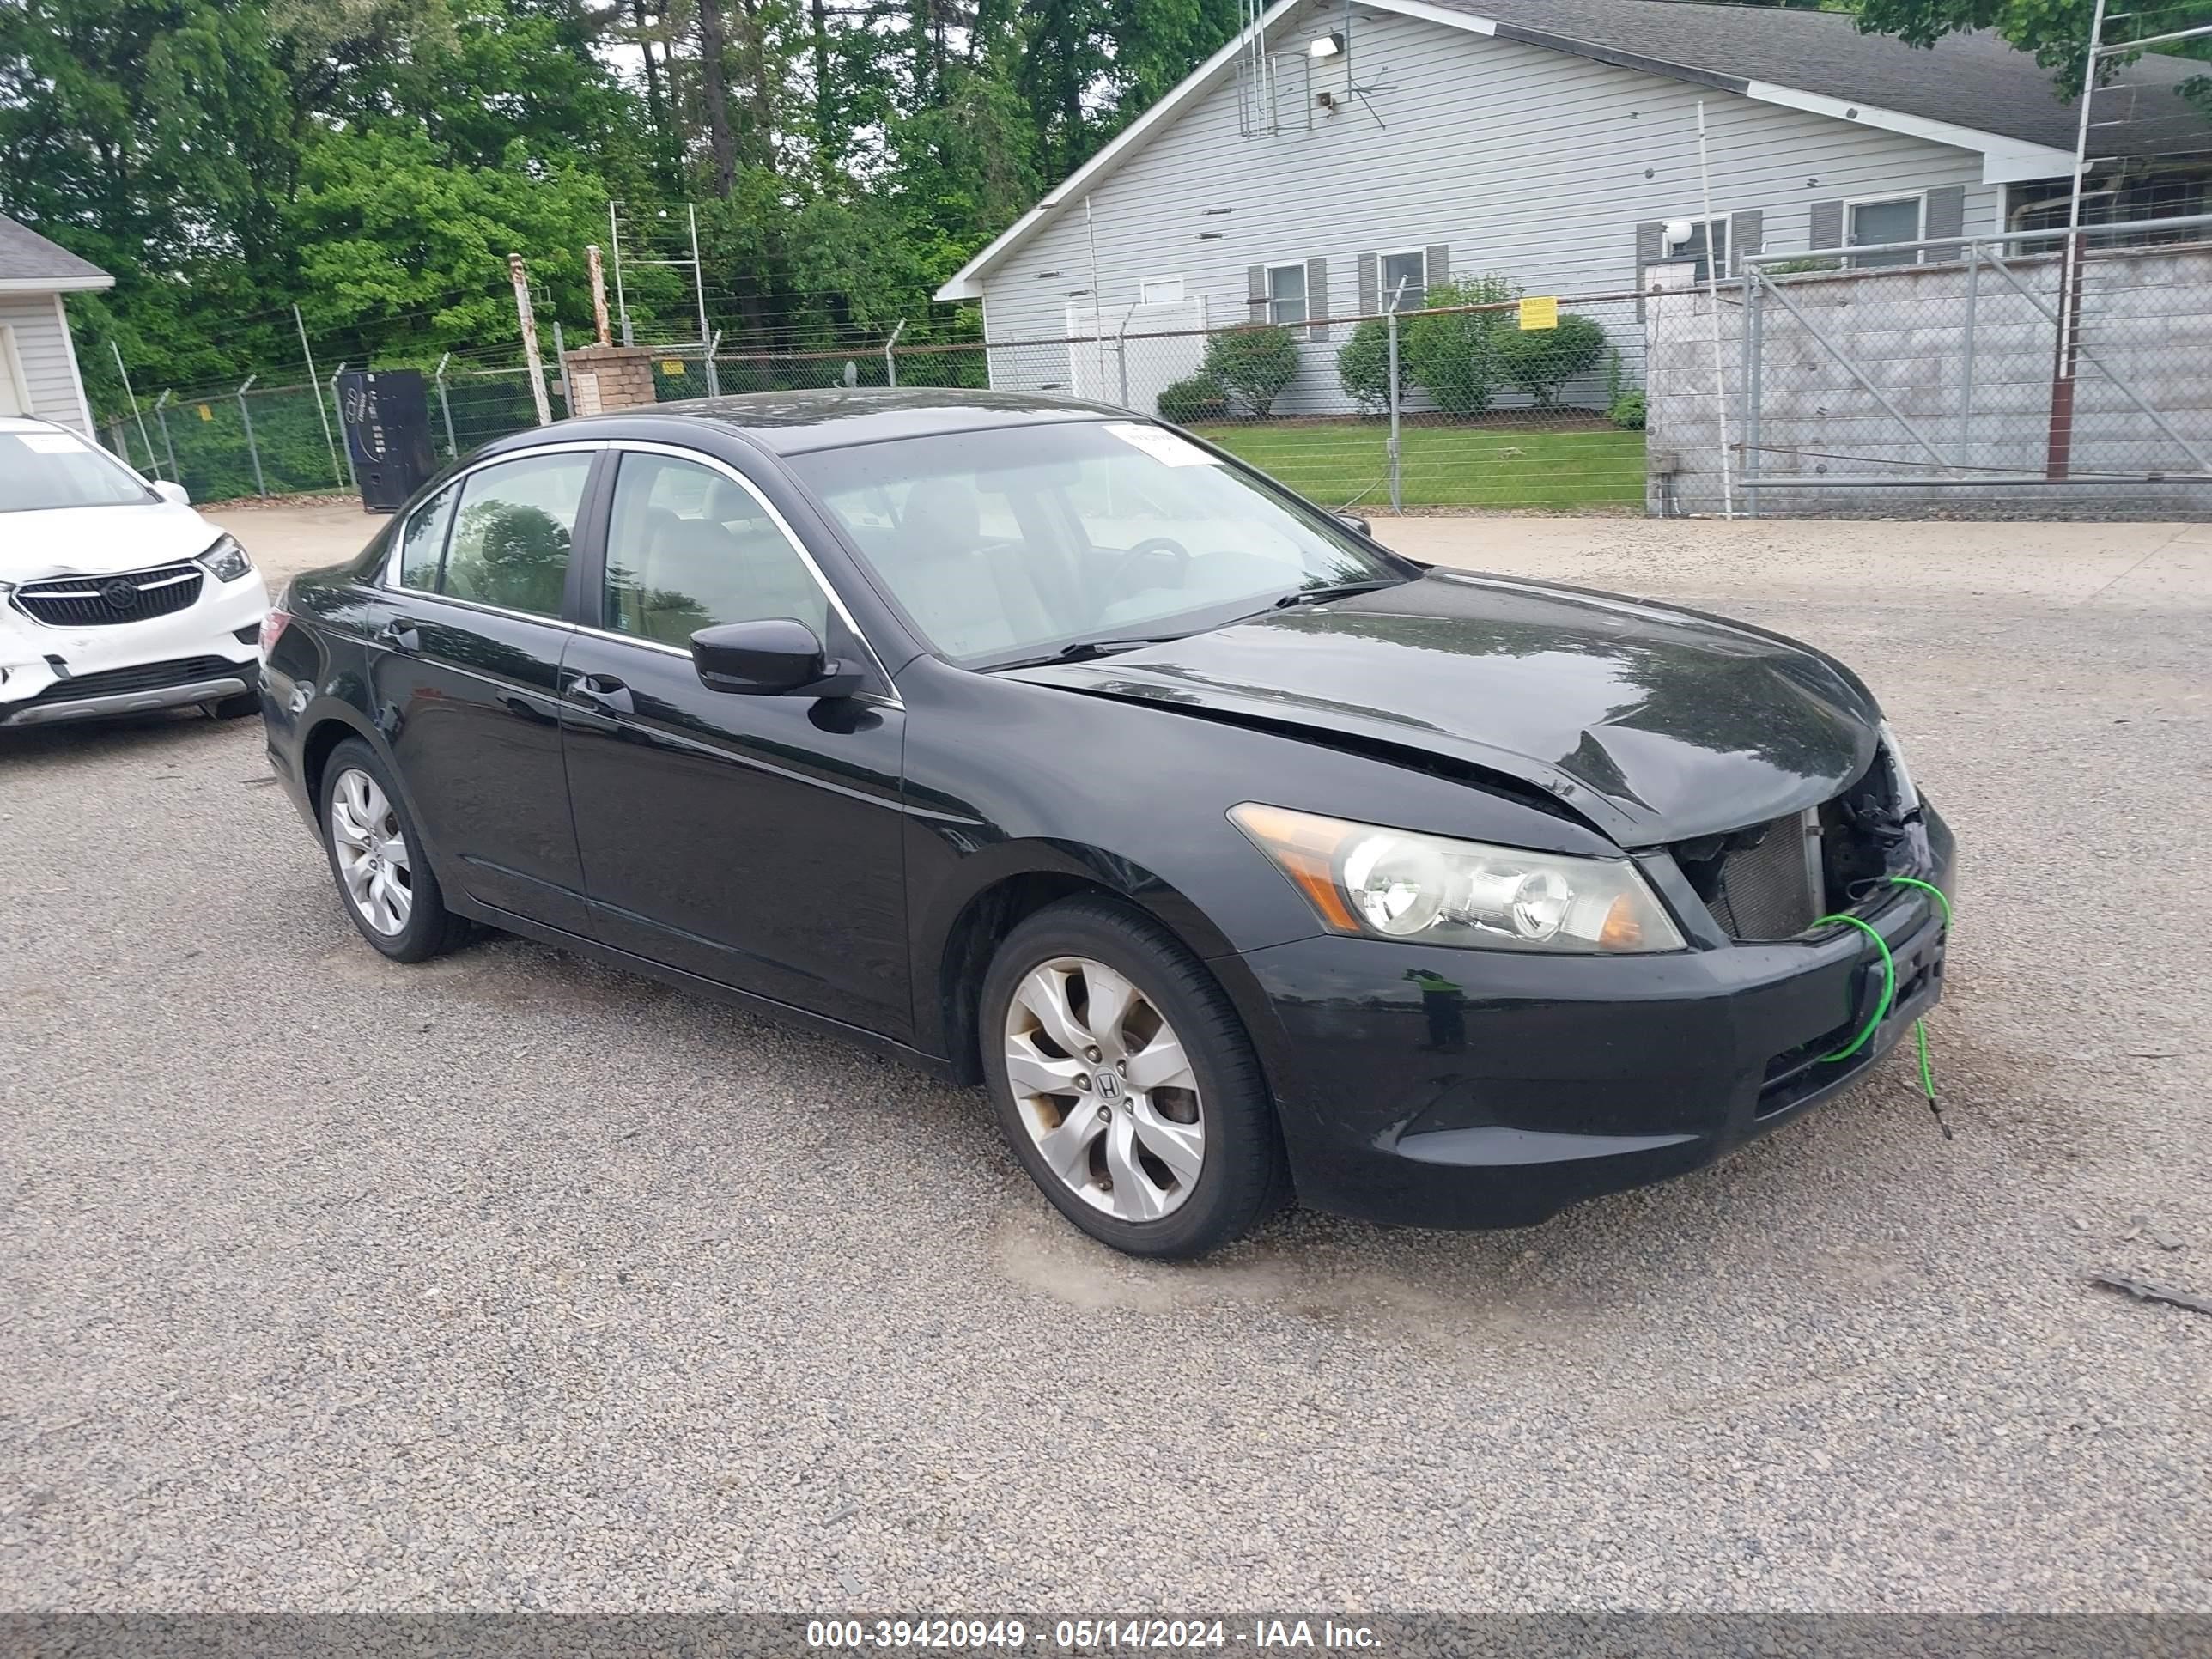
(689,547)
(509,546)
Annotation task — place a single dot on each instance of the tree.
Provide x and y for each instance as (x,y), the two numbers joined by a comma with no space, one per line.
(1540,360)
(1363,368)
(2056,31)
(1252,364)
(1454,356)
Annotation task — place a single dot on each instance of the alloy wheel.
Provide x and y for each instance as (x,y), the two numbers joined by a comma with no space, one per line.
(372,853)
(1105,1089)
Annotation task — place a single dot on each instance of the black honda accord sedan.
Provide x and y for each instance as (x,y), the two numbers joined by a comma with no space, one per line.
(1239,858)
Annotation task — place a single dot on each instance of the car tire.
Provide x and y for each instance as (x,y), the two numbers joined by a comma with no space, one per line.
(1089,1121)
(384,877)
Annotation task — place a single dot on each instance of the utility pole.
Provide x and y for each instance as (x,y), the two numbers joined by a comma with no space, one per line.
(599,292)
(2058,452)
(699,278)
(529,320)
(622,306)
(136,414)
(316,386)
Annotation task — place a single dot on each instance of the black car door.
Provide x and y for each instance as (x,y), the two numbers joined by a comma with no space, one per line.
(465,661)
(752,840)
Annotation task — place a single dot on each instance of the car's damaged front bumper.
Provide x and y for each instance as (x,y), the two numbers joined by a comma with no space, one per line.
(1448,1088)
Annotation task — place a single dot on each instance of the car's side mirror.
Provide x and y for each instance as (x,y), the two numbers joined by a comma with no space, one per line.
(778,657)
(1356,522)
(172,492)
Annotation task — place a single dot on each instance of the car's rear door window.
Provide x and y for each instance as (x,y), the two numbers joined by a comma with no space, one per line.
(422,542)
(511,535)
(689,547)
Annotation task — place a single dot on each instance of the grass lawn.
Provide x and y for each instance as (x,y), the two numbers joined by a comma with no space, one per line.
(1565,470)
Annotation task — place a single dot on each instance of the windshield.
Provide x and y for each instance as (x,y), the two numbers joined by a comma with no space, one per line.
(49,468)
(1018,543)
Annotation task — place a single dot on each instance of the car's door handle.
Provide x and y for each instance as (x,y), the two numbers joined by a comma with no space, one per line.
(399,633)
(603,692)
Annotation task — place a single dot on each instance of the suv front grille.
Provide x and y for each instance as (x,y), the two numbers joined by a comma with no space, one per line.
(144,677)
(101,601)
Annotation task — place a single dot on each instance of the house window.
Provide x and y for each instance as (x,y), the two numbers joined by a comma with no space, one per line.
(1160,291)
(1708,246)
(1286,293)
(1411,268)
(1890,219)
(2043,203)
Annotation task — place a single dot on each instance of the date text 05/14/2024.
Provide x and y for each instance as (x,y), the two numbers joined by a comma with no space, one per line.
(1087,1635)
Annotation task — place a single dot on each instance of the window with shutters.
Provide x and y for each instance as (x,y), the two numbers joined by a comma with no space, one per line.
(1286,293)
(1409,266)
(1707,245)
(1884,219)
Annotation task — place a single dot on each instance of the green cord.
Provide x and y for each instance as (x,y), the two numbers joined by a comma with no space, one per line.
(1889,993)
(1888,986)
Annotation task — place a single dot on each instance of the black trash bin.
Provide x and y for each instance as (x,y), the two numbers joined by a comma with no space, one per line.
(387,415)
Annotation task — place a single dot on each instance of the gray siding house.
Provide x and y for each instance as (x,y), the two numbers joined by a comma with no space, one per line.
(38,359)
(1547,141)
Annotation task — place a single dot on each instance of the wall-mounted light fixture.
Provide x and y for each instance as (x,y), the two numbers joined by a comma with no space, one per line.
(1327,46)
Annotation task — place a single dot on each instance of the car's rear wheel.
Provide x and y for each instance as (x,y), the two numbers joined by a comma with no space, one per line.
(1126,1083)
(377,859)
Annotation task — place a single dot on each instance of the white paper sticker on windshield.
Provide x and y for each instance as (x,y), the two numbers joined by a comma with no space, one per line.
(50,443)
(1163,446)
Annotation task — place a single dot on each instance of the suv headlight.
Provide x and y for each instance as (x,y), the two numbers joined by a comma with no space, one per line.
(1377,882)
(226,560)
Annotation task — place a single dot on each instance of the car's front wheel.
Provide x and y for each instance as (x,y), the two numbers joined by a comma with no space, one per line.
(1126,1083)
(377,859)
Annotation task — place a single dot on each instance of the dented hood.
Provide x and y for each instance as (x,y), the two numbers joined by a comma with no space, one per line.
(99,541)
(1653,724)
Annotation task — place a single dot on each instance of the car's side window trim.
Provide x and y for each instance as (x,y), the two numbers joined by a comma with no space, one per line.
(391,563)
(889,696)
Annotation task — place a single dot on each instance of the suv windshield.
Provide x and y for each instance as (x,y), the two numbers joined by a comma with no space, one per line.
(1017,543)
(51,468)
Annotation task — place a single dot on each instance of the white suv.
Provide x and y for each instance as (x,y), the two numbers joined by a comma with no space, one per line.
(115,596)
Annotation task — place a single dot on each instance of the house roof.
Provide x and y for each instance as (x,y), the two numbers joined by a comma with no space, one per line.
(1972,91)
(1972,80)
(30,264)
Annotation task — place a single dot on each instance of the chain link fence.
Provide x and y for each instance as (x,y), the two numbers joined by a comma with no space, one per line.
(1987,377)
(1496,403)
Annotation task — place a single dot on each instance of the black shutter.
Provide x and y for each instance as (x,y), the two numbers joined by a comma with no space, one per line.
(1256,292)
(1747,235)
(1370,283)
(1436,269)
(1946,216)
(1828,226)
(1317,298)
(1650,248)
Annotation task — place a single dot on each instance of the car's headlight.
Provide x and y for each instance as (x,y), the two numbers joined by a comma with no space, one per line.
(1365,879)
(1908,796)
(226,560)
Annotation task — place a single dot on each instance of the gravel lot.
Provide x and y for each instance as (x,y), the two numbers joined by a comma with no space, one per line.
(513,1282)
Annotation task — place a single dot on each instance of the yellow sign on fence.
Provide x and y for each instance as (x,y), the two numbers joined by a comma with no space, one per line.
(206,414)
(1540,311)
(671,366)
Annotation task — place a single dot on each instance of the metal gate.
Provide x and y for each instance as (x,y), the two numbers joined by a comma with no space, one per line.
(1988,376)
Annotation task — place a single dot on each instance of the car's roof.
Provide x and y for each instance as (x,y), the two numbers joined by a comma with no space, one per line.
(27,423)
(792,423)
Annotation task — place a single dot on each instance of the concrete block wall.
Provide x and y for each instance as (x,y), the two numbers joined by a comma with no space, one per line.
(2145,329)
